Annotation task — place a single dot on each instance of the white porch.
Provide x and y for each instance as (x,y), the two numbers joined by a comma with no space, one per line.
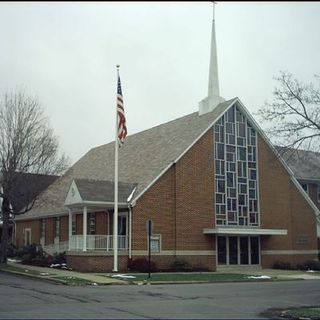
(96,243)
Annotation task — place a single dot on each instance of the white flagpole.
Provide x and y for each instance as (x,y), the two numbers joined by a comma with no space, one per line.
(115,215)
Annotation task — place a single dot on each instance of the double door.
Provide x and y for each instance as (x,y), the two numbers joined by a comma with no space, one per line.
(238,250)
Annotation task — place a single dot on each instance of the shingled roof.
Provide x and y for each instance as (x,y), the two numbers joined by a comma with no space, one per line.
(304,164)
(142,158)
(98,190)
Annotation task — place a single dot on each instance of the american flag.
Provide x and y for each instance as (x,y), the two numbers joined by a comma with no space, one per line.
(122,128)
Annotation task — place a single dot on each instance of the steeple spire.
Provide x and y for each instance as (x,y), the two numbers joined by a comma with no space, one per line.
(213,98)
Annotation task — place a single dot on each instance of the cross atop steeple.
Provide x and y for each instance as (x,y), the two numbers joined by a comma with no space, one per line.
(213,98)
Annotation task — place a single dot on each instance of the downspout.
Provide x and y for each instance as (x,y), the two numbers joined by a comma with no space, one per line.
(130,230)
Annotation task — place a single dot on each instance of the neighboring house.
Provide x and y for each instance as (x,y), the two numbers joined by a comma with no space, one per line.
(215,188)
(27,187)
(306,168)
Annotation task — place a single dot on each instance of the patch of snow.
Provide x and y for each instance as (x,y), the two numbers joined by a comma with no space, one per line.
(94,284)
(26,270)
(259,277)
(44,273)
(13,260)
(124,276)
(55,265)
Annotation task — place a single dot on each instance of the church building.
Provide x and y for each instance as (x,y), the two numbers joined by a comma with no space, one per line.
(217,191)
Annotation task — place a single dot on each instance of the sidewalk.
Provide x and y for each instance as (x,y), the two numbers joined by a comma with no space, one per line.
(67,277)
(60,275)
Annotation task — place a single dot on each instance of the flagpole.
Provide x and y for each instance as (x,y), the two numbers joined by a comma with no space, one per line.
(115,215)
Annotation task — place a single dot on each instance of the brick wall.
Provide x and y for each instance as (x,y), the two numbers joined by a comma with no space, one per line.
(64,228)
(180,204)
(34,225)
(95,263)
(283,207)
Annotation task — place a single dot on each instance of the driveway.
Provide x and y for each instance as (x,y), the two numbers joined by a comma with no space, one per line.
(28,298)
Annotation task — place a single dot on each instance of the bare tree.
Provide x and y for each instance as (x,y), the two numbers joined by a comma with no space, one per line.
(294,114)
(27,145)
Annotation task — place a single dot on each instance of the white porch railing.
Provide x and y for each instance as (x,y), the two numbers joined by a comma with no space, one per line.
(98,242)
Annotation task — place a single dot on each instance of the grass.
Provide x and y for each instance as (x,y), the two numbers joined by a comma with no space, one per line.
(19,270)
(189,277)
(74,281)
(302,312)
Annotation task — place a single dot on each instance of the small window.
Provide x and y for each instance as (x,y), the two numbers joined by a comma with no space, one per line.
(305,187)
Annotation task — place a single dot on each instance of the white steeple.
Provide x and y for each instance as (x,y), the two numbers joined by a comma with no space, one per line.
(213,98)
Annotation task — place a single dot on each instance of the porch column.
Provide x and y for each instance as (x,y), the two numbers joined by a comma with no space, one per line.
(85,228)
(130,231)
(70,229)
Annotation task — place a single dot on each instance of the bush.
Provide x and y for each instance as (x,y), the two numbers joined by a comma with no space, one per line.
(11,250)
(141,265)
(34,255)
(283,265)
(180,265)
(59,258)
(310,265)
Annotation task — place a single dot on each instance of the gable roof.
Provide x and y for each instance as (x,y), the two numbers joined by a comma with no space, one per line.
(102,190)
(305,164)
(27,186)
(142,159)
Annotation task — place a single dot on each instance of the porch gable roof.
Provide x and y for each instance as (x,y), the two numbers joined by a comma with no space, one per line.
(84,191)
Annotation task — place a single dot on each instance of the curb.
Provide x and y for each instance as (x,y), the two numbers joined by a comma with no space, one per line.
(58,281)
(29,275)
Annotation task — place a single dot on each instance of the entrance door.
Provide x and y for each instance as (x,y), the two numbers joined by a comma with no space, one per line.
(238,250)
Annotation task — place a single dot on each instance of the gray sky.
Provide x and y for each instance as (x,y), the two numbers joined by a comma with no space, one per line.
(66,53)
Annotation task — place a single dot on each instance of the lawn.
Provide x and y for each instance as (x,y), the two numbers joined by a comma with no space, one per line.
(303,312)
(189,277)
(74,281)
(19,270)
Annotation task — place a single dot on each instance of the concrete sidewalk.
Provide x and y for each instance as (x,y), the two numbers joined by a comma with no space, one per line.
(61,275)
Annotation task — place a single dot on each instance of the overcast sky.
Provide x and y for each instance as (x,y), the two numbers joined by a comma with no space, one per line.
(66,55)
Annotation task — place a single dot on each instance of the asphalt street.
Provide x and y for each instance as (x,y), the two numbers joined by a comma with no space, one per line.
(21,297)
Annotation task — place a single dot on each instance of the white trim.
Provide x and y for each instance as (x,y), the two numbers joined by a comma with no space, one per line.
(245,231)
(73,195)
(96,203)
(40,216)
(178,253)
(183,153)
(290,252)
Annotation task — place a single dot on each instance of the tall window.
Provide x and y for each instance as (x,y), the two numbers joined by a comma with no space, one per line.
(74,224)
(236,176)
(122,225)
(43,228)
(57,227)
(92,223)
